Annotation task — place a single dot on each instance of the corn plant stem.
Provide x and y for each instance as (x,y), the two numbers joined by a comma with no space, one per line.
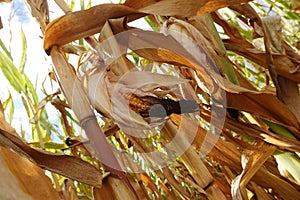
(77,99)
(39,133)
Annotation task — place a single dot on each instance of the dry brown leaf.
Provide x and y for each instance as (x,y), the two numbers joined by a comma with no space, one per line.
(268,43)
(103,193)
(81,24)
(264,105)
(282,63)
(143,179)
(286,66)
(214,192)
(168,8)
(273,33)
(68,166)
(290,95)
(260,192)
(10,187)
(112,189)
(68,190)
(279,186)
(189,157)
(178,7)
(230,30)
(253,130)
(161,48)
(194,41)
(287,90)
(28,175)
(118,61)
(295,4)
(244,82)
(227,154)
(170,177)
(84,23)
(223,151)
(252,160)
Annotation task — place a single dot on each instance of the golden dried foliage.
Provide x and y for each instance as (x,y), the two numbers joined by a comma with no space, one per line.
(231,148)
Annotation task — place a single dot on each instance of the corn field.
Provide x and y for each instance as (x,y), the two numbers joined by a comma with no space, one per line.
(204,104)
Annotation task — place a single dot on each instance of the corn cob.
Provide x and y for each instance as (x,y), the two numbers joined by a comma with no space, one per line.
(150,106)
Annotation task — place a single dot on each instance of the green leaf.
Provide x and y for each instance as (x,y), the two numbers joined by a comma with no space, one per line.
(27,107)
(151,24)
(82,6)
(8,106)
(31,89)
(71,116)
(49,145)
(72,5)
(245,33)
(24,52)
(5,49)
(11,73)
(280,130)
(228,69)
(289,162)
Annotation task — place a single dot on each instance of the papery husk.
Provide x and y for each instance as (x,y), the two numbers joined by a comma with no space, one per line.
(193,41)
(107,95)
(95,84)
